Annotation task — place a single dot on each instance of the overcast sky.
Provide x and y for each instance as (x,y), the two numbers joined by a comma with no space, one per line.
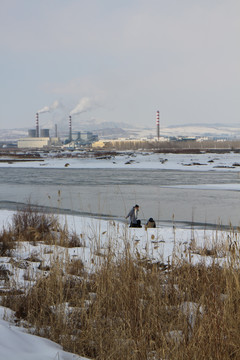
(120,60)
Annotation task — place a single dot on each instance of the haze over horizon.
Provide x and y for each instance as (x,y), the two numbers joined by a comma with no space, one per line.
(119,62)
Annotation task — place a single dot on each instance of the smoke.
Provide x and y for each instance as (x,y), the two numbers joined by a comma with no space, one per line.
(50,108)
(85,104)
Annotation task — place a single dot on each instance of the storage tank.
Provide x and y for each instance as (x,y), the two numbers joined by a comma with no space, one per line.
(44,133)
(32,132)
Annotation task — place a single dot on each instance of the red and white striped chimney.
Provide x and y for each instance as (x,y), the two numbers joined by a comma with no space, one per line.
(70,128)
(158,124)
(37,125)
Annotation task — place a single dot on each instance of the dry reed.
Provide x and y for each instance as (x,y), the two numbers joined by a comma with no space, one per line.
(127,309)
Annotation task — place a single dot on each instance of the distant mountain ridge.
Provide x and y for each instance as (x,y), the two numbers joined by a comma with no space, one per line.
(217,125)
(203,130)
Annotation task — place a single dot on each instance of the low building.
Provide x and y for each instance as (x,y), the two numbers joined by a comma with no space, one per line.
(38,142)
(55,141)
(34,142)
(99,144)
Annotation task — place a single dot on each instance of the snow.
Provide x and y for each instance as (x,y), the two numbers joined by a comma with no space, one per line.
(163,244)
(231,187)
(139,160)
(15,343)
(160,244)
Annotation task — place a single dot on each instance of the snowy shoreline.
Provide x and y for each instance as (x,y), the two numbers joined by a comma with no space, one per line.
(202,164)
(168,236)
(160,245)
(138,160)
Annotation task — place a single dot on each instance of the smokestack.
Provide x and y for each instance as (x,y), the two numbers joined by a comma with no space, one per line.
(70,128)
(158,125)
(56,132)
(37,125)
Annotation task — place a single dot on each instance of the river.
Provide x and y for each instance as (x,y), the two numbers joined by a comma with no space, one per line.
(166,195)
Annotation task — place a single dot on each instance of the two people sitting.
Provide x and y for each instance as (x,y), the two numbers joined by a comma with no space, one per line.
(133,219)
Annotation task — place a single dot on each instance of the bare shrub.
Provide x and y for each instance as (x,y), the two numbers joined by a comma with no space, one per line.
(4,273)
(68,240)
(7,243)
(75,267)
(75,241)
(31,225)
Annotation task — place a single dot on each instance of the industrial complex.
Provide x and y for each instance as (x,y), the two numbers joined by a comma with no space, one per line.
(73,139)
(40,138)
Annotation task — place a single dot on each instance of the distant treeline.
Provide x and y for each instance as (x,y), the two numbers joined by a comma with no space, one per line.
(174,146)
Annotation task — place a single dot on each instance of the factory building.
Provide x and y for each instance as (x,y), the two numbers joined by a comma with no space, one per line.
(39,138)
(85,138)
(33,142)
(43,133)
(77,138)
(80,139)
(38,142)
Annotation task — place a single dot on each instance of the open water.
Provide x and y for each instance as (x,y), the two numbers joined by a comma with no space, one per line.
(166,195)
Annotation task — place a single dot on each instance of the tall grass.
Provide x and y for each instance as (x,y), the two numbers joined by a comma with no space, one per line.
(127,309)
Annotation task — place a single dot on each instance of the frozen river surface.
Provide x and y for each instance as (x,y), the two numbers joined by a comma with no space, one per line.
(202,197)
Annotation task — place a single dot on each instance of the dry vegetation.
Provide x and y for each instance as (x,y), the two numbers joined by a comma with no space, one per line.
(127,309)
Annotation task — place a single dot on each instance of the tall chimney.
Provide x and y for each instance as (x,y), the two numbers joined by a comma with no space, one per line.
(37,125)
(158,125)
(70,128)
(56,132)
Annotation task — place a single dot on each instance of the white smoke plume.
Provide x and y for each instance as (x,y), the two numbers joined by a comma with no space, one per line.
(50,108)
(85,104)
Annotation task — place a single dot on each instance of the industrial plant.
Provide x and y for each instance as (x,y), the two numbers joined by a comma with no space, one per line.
(125,139)
(40,138)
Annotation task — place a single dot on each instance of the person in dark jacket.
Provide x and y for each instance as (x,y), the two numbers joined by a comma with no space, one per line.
(150,224)
(133,217)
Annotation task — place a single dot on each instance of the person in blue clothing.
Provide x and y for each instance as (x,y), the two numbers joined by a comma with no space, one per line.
(133,217)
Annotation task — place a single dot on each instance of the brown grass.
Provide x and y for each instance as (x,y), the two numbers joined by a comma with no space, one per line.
(128,309)
(31,225)
(7,243)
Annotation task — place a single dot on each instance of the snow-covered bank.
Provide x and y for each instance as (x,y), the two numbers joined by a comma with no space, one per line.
(15,343)
(137,160)
(162,245)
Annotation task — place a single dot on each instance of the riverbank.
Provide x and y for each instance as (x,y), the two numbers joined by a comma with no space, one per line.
(202,161)
(95,286)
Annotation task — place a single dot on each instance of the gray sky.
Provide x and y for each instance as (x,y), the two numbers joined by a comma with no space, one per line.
(106,60)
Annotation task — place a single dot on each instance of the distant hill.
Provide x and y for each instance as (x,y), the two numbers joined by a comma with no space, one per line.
(203,130)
